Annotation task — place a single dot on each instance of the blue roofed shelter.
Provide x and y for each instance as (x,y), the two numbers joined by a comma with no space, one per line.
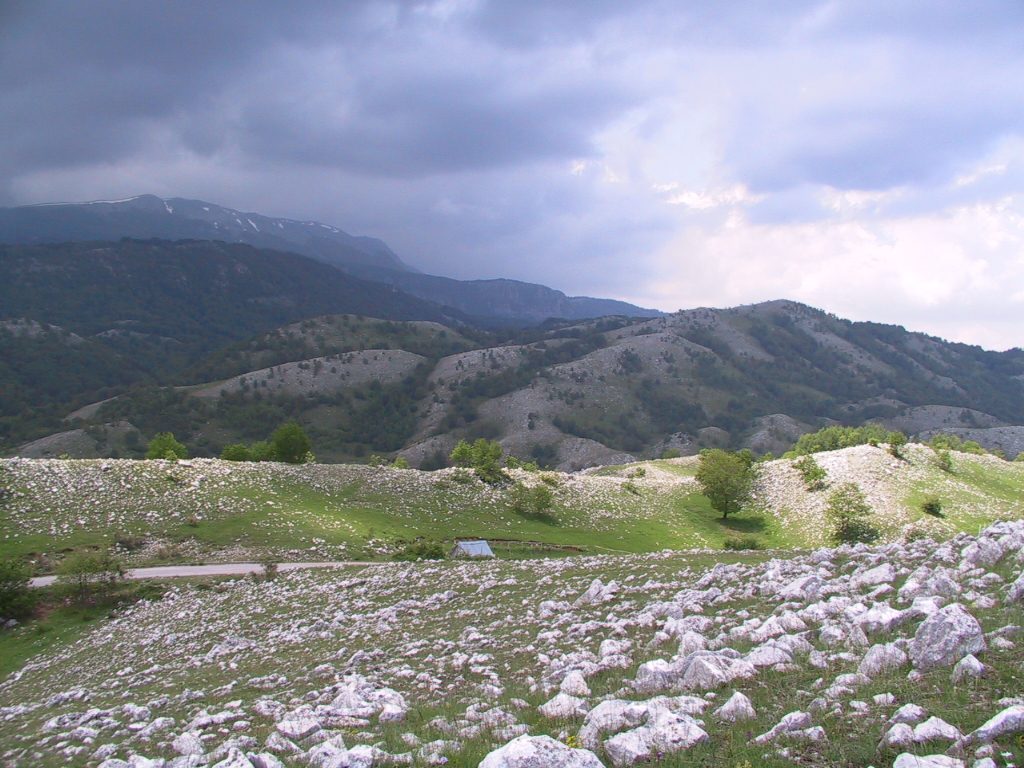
(471,549)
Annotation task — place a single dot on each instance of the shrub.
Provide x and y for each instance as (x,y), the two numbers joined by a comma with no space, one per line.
(16,597)
(737,543)
(833,438)
(514,462)
(269,568)
(955,443)
(400,462)
(165,446)
(261,451)
(422,550)
(637,472)
(812,472)
(847,513)
(932,505)
(897,441)
(236,452)
(532,502)
(671,453)
(943,460)
(90,574)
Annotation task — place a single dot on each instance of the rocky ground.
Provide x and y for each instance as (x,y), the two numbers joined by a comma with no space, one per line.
(907,654)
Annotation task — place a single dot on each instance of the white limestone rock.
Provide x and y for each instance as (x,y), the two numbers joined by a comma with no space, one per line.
(736,709)
(907,760)
(935,729)
(881,659)
(794,721)
(539,752)
(946,637)
(563,706)
(610,717)
(968,668)
(899,735)
(575,684)
(665,733)
(235,759)
(1009,721)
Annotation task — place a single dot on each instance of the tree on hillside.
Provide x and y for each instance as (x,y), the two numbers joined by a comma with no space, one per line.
(483,457)
(897,441)
(16,597)
(165,446)
(726,479)
(847,513)
(90,575)
(290,444)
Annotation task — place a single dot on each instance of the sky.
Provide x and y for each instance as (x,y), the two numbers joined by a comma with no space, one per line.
(864,157)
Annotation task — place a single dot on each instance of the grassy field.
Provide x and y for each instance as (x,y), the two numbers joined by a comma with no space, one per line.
(207,510)
(204,508)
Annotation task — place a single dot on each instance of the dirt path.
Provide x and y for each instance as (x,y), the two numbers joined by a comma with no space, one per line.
(218,569)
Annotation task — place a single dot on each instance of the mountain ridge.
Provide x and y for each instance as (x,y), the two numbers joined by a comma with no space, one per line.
(498,302)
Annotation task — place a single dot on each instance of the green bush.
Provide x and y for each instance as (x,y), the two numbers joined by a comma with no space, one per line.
(483,457)
(291,444)
(932,505)
(897,442)
(834,438)
(236,452)
(943,460)
(671,453)
(422,550)
(165,446)
(955,443)
(848,514)
(812,472)
(534,503)
(738,543)
(90,575)
(16,597)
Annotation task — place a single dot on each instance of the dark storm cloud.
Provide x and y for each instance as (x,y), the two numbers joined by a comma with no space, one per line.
(597,146)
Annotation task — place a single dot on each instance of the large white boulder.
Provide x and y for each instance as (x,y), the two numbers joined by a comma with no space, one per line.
(539,752)
(1010,720)
(666,733)
(946,637)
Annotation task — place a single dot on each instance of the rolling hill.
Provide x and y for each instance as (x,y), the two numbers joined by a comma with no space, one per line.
(575,395)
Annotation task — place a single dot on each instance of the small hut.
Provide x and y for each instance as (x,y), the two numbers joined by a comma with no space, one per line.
(471,549)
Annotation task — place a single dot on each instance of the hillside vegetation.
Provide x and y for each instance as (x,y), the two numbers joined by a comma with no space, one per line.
(572,396)
(203,509)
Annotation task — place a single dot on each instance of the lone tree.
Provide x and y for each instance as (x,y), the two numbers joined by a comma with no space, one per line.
(726,479)
(290,444)
(848,512)
(165,446)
